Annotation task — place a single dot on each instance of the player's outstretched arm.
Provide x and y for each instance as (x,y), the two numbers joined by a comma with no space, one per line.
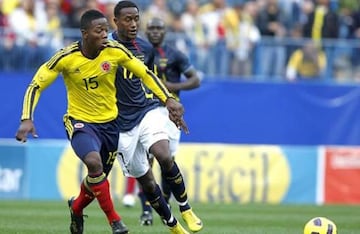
(26,127)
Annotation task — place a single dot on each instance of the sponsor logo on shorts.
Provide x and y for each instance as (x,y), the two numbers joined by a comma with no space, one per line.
(78,125)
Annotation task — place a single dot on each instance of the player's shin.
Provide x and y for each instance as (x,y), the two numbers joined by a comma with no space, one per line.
(159,204)
(101,189)
(176,183)
(83,200)
(165,187)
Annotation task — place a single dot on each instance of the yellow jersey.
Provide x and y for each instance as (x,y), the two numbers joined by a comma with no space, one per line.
(90,83)
(307,68)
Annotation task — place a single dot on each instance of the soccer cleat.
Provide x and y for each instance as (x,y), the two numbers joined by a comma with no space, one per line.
(128,200)
(77,221)
(146,218)
(118,227)
(192,221)
(178,229)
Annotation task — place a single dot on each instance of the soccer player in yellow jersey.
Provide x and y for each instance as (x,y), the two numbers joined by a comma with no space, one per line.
(88,68)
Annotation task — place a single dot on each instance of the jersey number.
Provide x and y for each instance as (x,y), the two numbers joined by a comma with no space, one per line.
(111,158)
(129,75)
(91,83)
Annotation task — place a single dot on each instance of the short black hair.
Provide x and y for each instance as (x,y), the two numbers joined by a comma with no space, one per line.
(123,4)
(88,17)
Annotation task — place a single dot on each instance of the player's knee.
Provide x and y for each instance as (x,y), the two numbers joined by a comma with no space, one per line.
(160,150)
(149,186)
(166,163)
(93,163)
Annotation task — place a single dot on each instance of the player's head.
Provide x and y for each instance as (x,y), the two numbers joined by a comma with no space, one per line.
(155,31)
(94,28)
(126,19)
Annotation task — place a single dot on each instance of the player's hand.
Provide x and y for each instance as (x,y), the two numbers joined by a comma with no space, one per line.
(181,124)
(26,127)
(176,112)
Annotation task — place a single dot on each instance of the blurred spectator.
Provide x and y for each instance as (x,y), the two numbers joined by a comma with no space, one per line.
(54,27)
(8,6)
(354,32)
(321,22)
(306,8)
(194,29)
(296,40)
(158,8)
(109,13)
(307,63)
(212,18)
(7,43)
(29,23)
(76,9)
(221,37)
(248,35)
(271,22)
(178,38)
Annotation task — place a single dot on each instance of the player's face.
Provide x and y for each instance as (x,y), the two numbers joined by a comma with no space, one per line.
(127,23)
(96,34)
(155,31)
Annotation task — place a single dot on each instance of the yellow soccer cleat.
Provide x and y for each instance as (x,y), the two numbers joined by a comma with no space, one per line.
(193,222)
(178,229)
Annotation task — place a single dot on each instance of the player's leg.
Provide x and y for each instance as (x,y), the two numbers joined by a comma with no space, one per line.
(128,146)
(86,145)
(109,150)
(82,144)
(170,172)
(154,195)
(133,161)
(146,217)
(174,140)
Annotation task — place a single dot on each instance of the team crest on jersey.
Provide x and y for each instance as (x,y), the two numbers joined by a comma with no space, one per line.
(105,66)
(79,125)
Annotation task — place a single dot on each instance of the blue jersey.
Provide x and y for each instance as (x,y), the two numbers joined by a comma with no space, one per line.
(169,64)
(134,100)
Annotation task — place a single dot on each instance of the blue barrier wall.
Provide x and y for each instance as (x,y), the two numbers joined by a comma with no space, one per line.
(225,111)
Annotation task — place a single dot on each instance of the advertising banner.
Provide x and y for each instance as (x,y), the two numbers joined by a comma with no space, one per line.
(13,172)
(212,172)
(342,175)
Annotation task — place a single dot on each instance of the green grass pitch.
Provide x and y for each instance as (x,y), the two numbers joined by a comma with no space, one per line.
(38,217)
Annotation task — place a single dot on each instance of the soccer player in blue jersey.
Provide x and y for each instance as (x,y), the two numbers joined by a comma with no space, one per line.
(144,128)
(88,68)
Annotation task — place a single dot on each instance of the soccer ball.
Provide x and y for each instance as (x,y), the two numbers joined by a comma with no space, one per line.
(320,225)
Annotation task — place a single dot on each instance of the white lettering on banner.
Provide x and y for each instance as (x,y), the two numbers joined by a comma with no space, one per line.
(10,179)
(345,161)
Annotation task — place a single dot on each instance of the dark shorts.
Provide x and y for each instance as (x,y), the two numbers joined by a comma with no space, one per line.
(87,137)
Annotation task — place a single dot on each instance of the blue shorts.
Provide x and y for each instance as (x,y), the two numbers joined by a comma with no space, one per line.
(87,137)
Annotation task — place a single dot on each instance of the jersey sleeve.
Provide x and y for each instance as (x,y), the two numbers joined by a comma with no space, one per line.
(41,80)
(183,62)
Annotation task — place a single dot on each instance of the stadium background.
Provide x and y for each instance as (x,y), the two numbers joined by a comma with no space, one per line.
(256,139)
